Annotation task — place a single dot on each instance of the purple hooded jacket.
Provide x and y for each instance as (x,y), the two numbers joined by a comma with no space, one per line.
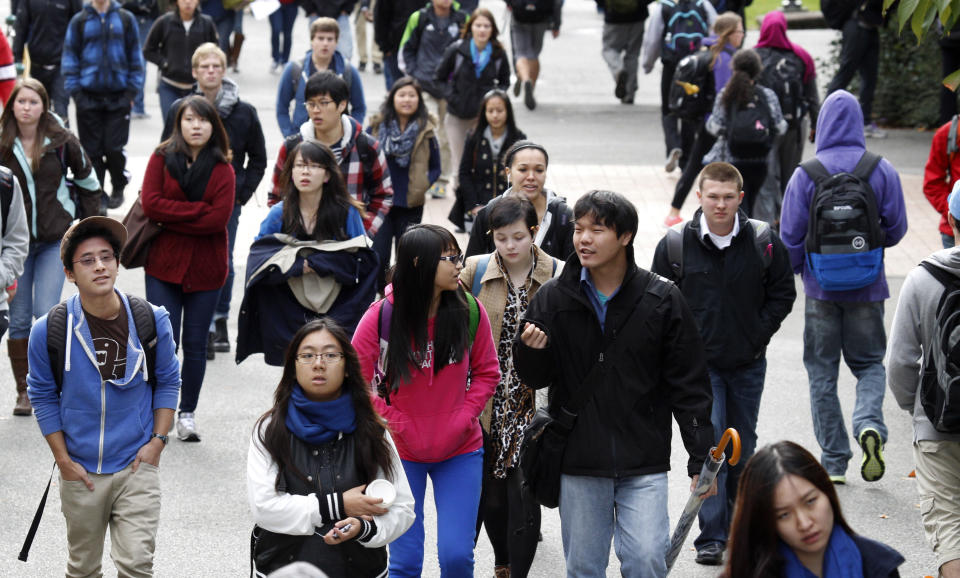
(840,144)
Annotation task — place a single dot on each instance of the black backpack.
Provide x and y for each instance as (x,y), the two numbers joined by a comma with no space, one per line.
(531,11)
(143,320)
(940,378)
(750,128)
(844,242)
(684,26)
(693,89)
(837,12)
(783,74)
(6,195)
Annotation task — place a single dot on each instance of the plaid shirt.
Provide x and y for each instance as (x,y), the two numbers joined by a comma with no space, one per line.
(364,167)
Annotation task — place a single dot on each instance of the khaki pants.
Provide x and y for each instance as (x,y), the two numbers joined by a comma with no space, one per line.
(938,481)
(127,502)
(457,129)
(360,31)
(438,108)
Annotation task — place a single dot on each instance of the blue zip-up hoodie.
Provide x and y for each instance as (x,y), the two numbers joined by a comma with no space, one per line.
(840,144)
(285,94)
(104,423)
(103,55)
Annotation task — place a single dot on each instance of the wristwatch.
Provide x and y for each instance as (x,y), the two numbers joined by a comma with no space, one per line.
(161,437)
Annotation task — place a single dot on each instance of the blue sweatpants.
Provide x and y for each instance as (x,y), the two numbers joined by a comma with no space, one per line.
(456,493)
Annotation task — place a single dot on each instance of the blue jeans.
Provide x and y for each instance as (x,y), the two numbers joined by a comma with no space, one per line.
(168,95)
(736,404)
(238,21)
(633,511)
(456,492)
(222,310)
(948,241)
(393,227)
(52,79)
(195,310)
(225,29)
(855,329)
(281,23)
(144,24)
(38,289)
(391,69)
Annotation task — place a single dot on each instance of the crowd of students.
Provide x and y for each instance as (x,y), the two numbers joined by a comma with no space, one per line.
(342,261)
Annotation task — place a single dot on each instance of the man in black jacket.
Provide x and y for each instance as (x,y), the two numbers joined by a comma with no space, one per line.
(42,25)
(389,21)
(635,328)
(736,276)
(249,160)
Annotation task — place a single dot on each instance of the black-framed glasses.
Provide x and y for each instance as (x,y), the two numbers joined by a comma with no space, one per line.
(453,259)
(106,259)
(328,358)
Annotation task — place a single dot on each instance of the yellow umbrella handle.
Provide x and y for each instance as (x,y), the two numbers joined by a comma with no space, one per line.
(730,435)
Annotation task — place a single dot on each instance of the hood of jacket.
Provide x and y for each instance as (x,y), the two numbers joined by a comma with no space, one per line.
(840,123)
(351,129)
(337,64)
(227,97)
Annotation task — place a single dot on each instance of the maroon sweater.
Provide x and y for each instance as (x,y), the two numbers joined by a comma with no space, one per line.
(192,248)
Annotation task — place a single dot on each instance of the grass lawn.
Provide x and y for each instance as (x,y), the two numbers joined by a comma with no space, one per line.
(761,7)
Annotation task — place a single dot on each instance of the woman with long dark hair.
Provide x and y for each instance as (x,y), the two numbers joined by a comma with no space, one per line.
(505,281)
(723,43)
(407,134)
(788,523)
(743,96)
(482,171)
(437,373)
(38,150)
(471,67)
(315,461)
(189,190)
(526,169)
(311,259)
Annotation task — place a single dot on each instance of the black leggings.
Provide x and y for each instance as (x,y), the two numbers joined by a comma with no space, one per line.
(512,519)
(702,144)
(753,173)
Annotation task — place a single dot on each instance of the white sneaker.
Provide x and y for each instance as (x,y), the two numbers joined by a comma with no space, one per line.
(873,131)
(673,160)
(187,427)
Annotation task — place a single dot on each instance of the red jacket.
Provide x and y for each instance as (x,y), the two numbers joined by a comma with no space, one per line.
(940,175)
(192,248)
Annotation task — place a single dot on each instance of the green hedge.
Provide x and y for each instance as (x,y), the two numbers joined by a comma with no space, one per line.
(908,87)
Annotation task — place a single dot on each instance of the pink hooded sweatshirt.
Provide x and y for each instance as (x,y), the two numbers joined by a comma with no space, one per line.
(433,417)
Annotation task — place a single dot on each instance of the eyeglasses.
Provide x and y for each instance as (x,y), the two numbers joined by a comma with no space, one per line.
(311,105)
(453,259)
(307,166)
(106,259)
(329,357)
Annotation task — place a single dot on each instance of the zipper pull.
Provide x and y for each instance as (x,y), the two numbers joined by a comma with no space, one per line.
(601,357)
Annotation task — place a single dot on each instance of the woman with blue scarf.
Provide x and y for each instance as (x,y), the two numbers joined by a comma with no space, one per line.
(788,524)
(471,67)
(407,134)
(311,458)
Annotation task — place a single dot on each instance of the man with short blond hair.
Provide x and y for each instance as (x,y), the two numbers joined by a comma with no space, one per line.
(736,276)
(249,162)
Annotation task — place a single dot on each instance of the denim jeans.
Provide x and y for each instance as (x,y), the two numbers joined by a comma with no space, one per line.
(168,95)
(631,510)
(736,404)
(222,310)
(854,328)
(281,23)
(38,289)
(144,24)
(947,240)
(394,225)
(456,492)
(391,69)
(196,310)
(225,29)
(345,43)
(52,79)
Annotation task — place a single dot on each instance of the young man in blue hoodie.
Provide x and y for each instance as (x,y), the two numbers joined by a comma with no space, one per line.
(106,425)
(849,321)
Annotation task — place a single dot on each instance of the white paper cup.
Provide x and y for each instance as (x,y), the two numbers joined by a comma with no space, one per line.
(382,489)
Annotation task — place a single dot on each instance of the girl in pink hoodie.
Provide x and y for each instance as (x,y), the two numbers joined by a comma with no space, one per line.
(436,380)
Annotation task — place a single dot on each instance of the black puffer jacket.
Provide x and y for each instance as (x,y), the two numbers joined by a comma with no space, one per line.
(44,23)
(464,90)
(557,234)
(481,173)
(390,19)
(171,47)
(655,370)
(738,303)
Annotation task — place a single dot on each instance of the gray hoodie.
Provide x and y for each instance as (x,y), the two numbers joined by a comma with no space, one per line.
(914,329)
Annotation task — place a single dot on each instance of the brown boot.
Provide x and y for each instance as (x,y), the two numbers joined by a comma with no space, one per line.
(501,572)
(234,59)
(17,349)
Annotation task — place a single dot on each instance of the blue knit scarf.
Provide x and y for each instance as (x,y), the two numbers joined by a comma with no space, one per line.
(316,422)
(841,560)
(480,58)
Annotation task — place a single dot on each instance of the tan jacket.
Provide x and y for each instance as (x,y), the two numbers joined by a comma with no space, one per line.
(419,159)
(493,296)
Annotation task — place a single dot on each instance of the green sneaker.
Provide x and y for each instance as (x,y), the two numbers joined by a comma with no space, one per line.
(838,480)
(437,191)
(872,466)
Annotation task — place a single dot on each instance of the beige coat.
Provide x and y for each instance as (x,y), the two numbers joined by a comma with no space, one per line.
(493,296)
(419,159)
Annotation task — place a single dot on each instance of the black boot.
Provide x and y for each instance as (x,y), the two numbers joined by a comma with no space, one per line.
(116,200)
(221,342)
(211,352)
